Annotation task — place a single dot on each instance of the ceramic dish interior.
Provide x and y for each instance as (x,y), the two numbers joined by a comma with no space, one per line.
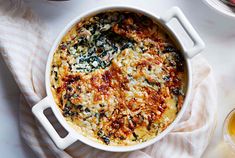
(73,135)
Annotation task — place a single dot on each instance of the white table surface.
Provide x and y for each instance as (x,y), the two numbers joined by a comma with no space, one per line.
(217,31)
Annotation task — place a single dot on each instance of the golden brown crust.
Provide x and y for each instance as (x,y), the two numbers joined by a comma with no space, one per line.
(121,83)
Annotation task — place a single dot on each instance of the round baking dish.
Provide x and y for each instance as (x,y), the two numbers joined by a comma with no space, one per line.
(73,136)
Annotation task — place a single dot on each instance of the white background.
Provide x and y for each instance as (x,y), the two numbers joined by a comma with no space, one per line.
(216,30)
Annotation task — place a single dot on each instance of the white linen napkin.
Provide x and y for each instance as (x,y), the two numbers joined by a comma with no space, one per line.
(24,45)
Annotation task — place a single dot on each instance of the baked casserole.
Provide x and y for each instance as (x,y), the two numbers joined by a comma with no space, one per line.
(118,78)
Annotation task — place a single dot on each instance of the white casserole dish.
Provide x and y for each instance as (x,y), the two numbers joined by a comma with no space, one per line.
(73,136)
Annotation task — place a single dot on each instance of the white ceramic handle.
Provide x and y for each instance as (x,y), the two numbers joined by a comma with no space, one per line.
(38,111)
(176,13)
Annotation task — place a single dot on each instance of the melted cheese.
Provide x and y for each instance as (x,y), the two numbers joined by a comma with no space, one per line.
(118,78)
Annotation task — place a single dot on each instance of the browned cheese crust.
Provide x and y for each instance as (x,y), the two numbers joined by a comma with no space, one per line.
(118,78)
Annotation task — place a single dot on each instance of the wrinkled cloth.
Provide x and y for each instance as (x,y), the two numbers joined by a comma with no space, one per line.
(24,45)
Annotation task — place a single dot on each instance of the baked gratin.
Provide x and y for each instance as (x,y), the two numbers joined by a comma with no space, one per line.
(118,78)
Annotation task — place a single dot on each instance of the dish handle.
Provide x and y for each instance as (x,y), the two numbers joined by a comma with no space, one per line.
(38,111)
(198,44)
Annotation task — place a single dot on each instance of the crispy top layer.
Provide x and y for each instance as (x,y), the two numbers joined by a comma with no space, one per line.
(118,78)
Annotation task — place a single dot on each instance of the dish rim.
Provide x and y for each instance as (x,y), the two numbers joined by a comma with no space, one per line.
(219,10)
